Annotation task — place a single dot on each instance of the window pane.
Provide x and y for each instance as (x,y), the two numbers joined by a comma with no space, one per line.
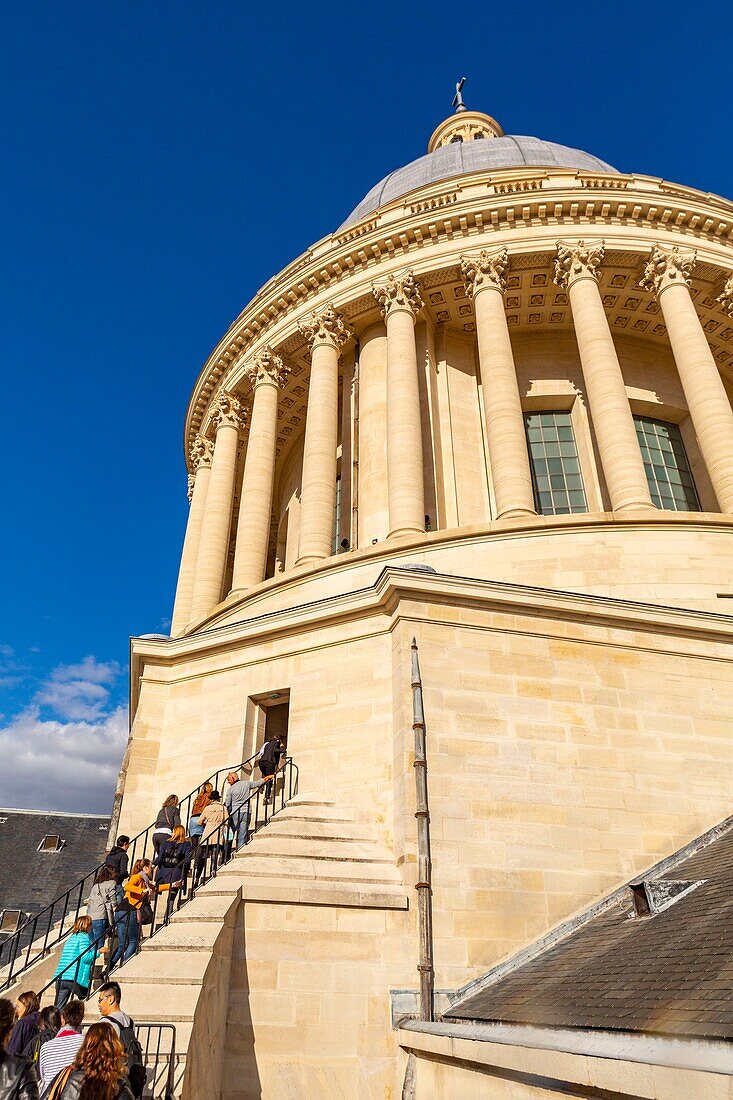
(552,452)
(668,473)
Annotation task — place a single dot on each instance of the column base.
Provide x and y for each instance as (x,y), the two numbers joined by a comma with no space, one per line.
(403,532)
(637,506)
(311,559)
(516,513)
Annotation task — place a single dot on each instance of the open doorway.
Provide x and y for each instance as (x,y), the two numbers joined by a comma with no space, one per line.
(268,716)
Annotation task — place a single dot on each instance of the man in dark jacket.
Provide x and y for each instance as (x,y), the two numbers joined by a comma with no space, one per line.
(268,762)
(17,1075)
(117,859)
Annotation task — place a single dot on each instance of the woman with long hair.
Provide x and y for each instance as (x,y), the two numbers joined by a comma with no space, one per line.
(27,1008)
(17,1075)
(101,904)
(74,971)
(99,1071)
(49,1024)
(168,817)
(172,863)
(200,803)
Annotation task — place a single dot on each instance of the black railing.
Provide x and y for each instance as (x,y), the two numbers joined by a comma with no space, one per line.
(158,1042)
(34,939)
(199,864)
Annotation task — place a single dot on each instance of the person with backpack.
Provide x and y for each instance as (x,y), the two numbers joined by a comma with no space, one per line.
(118,860)
(108,999)
(171,866)
(18,1079)
(168,817)
(268,761)
(49,1022)
(74,971)
(60,1052)
(98,1070)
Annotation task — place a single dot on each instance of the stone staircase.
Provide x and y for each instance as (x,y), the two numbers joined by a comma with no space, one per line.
(312,854)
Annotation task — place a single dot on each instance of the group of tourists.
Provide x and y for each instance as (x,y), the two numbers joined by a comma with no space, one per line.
(45,1054)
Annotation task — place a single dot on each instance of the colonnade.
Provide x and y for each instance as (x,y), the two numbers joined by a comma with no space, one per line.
(577,269)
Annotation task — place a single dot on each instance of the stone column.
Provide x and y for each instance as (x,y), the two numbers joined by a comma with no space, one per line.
(401,301)
(211,563)
(267,374)
(505,435)
(667,275)
(577,269)
(198,483)
(326,333)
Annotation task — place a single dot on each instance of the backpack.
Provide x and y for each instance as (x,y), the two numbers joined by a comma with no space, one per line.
(171,857)
(136,1072)
(32,1050)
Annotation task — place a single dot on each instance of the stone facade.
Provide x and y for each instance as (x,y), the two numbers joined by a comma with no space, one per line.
(361,475)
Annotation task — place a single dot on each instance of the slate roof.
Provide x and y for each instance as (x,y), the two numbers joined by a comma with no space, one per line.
(668,974)
(460,158)
(29,879)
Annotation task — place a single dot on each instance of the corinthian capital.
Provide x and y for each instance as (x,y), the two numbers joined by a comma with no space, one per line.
(726,298)
(667,267)
(266,367)
(227,411)
(325,327)
(399,292)
(485,270)
(200,453)
(578,260)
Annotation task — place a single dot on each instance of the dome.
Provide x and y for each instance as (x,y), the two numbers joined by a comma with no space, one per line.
(459,158)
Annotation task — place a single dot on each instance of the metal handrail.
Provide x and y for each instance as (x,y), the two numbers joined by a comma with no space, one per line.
(207,858)
(52,924)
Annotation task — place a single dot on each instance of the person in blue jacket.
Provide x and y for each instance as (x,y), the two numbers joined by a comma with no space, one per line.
(74,971)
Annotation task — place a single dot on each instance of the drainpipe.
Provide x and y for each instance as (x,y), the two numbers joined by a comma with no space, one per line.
(355,456)
(423,887)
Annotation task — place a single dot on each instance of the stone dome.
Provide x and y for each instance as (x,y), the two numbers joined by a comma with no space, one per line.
(462,157)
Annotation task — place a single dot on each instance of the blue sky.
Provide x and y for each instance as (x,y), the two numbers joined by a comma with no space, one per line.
(160,163)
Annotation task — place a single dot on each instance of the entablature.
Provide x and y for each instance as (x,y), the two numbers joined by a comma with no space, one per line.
(518,210)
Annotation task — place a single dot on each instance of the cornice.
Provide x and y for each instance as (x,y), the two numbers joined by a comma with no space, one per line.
(396,583)
(457,212)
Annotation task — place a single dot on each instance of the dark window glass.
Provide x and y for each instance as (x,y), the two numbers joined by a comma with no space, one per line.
(665,461)
(553,458)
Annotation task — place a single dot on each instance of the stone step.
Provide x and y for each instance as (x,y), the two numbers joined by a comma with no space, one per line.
(266,843)
(314,813)
(185,936)
(185,967)
(164,1002)
(205,907)
(308,829)
(303,867)
(312,805)
(362,895)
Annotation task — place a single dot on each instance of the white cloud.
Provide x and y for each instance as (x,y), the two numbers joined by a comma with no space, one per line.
(63,749)
(61,765)
(79,692)
(90,669)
